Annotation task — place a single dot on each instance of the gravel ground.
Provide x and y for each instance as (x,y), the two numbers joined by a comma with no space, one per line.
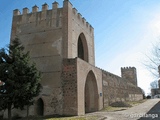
(148,110)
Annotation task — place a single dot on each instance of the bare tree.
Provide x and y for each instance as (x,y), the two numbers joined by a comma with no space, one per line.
(154,84)
(153,60)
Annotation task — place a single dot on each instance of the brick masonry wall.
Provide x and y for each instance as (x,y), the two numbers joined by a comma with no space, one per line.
(74,76)
(69,77)
(116,88)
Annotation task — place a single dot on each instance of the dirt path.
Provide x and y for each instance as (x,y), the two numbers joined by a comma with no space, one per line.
(149,110)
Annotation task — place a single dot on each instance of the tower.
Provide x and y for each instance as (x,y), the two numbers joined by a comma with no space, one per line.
(52,36)
(130,74)
(61,43)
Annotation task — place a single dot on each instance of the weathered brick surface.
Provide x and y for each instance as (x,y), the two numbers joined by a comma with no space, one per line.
(116,88)
(69,77)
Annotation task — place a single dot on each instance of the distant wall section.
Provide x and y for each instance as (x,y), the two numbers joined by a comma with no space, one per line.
(116,88)
(130,74)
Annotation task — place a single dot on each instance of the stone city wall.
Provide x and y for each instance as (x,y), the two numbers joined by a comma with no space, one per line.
(116,88)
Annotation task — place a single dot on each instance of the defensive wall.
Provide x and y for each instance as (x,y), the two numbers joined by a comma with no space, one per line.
(61,43)
(116,88)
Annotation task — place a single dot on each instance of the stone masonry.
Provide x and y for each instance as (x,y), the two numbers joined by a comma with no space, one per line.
(61,43)
(155,92)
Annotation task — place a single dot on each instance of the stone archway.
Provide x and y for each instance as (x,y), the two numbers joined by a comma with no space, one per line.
(91,93)
(39,108)
(82,50)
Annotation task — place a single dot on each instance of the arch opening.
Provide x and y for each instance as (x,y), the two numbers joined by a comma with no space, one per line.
(40,107)
(82,50)
(91,93)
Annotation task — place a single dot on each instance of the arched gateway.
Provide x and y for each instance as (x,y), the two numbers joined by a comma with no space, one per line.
(91,93)
(39,107)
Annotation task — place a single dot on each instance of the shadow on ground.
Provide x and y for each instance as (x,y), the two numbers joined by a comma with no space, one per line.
(153,114)
(38,117)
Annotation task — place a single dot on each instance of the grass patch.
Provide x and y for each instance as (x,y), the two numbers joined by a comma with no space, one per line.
(135,103)
(114,109)
(120,104)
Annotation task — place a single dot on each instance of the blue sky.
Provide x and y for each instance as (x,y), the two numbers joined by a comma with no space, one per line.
(124,30)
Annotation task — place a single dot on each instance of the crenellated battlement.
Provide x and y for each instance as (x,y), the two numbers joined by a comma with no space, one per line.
(25,10)
(16,12)
(35,9)
(45,17)
(37,15)
(82,19)
(45,7)
(130,74)
(127,68)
